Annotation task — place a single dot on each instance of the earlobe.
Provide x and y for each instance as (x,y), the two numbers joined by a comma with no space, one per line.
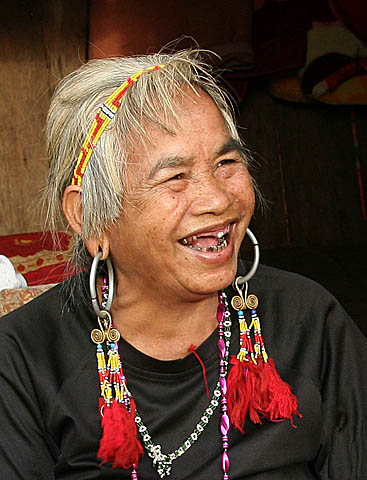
(95,245)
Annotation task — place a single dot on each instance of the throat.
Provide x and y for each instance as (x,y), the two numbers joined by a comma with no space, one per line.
(171,332)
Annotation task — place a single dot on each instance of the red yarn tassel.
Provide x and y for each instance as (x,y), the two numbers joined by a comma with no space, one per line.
(239,392)
(259,395)
(119,443)
(259,392)
(282,402)
(255,388)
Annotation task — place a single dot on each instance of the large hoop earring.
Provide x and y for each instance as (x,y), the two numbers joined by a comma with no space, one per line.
(252,271)
(92,286)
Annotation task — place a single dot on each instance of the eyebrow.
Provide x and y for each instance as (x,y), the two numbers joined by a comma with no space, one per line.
(180,160)
(170,162)
(230,146)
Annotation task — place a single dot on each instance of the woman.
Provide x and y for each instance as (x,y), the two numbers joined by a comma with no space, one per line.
(152,177)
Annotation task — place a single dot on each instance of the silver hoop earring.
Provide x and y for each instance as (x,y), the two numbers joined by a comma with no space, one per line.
(252,271)
(92,286)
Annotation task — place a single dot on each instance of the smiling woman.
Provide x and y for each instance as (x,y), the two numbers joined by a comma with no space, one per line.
(139,353)
(180,185)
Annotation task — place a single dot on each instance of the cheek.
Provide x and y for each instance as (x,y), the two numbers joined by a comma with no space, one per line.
(170,204)
(243,192)
(159,214)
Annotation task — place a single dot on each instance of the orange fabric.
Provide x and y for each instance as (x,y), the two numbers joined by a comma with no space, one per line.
(10,299)
(36,257)
(287,86)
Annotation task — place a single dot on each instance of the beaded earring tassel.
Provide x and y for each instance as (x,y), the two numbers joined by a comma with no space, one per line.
(255,388)
(119,443)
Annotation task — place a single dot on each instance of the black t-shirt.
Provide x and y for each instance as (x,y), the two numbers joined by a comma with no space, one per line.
(49,391)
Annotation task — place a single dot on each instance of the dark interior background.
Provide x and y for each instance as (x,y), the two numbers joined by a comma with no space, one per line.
(304,154)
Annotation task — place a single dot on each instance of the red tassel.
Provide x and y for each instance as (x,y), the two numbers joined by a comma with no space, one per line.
(239,393)
(257,390)
(119,443)
(259,394)
(282,402)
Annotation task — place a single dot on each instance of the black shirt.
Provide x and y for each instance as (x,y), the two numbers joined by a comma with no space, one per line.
(49,391)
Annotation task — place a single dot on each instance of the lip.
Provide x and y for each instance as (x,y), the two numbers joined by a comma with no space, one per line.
(214,257)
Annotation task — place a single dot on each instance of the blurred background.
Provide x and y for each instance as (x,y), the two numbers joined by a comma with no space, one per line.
(297,71)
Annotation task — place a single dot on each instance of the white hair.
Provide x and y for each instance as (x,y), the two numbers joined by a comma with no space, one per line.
(150,100)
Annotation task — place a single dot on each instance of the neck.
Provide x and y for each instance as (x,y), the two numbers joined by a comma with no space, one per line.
(164,328)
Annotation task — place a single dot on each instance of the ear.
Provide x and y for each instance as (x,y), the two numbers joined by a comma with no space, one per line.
(73,208)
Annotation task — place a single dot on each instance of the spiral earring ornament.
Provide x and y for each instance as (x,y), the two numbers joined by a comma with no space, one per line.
(251,302)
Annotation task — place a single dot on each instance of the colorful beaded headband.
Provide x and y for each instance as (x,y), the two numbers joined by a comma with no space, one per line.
(105,114)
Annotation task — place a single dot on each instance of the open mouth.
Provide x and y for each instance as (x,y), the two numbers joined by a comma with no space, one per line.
(208,241)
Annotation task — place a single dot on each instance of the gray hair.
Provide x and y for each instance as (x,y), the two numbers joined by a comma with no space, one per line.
(151,100)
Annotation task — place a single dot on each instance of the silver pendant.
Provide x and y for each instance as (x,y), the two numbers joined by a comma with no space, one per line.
(160,461)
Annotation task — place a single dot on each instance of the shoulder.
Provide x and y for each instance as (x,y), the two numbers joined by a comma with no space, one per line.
(29,312)
(291,288)
(300,307)
(45,340)
(47,321)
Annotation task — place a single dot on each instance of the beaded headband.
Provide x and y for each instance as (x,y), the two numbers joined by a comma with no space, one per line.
(104,115)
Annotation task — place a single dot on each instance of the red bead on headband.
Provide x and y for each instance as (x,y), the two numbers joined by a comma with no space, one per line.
(105,114)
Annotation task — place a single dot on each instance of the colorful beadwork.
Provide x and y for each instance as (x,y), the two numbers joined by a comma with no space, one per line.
(224,320)
(163,462)
(105,114)
(114,389)
(250,349)
(254,387)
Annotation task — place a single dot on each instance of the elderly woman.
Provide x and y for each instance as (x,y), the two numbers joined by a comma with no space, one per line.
(151,360)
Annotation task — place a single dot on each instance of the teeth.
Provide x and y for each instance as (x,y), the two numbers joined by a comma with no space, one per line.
(212,248)
(222,242)
(224,232)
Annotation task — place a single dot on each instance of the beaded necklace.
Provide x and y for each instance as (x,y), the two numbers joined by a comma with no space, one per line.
(112,377)
(163,462)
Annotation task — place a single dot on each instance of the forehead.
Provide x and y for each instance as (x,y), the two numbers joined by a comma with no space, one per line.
(197,123)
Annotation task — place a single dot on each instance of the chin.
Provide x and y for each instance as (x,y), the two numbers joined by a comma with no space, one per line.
(214,281)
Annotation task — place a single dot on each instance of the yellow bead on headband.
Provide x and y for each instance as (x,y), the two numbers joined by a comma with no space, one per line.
(105,114)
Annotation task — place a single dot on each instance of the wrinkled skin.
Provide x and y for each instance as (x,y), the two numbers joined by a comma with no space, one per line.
(177,185)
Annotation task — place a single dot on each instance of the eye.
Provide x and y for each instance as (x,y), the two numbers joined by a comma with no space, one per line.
(179,176)
(227,161)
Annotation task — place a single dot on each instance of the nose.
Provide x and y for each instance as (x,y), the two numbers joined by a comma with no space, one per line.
(210,195)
